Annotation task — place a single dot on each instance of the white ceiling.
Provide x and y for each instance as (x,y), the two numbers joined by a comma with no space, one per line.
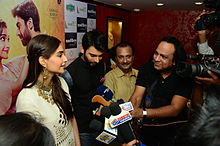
(151,4)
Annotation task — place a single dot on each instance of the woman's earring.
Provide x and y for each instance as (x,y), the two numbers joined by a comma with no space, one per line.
(45,73)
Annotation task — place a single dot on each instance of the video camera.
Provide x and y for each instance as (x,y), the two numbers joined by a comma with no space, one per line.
(212,19)
(206,62)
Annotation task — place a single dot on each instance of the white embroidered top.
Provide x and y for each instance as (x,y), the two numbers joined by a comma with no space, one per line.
(49,114)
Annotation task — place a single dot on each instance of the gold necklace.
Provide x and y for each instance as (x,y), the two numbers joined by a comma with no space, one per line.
(45,91)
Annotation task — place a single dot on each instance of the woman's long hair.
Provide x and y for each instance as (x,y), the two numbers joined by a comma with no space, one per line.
(45,46)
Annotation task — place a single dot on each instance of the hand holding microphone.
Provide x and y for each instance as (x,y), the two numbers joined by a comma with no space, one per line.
(103,95)
(116,115)
(119,118)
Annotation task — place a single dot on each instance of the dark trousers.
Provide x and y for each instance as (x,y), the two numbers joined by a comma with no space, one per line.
(89,139)
(159,135)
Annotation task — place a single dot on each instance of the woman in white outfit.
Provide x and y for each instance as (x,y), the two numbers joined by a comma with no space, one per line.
(46,94)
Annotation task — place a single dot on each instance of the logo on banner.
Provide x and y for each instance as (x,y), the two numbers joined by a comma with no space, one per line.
(91,11)
(71,41)
(120,120)
(81,24)
(70,8)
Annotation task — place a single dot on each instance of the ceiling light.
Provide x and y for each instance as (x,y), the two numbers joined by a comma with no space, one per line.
(137,10)
(118,5)
(160,4)
(198,3)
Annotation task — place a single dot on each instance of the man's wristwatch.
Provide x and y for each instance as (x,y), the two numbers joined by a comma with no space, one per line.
(144,113)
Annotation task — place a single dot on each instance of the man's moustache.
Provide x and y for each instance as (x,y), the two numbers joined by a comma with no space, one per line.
(125,63)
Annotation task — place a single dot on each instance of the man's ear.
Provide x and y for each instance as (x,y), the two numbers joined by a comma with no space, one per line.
(42,61)
(81,50)
(30,24)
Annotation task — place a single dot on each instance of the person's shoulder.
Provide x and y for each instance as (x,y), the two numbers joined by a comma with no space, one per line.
(184,80)
(75,62)
(111,73)
(26,92)
(26,95)
(15,65)
(22,58)
(147,66)
(116,71)
(134,70)
(63,83)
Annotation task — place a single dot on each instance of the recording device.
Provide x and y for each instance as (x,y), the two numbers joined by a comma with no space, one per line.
(118,116)
(107,134)
(113,112)
(100,99)
(206,62)
(105,92)
(212,19)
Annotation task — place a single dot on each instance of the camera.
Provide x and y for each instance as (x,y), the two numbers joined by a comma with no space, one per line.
(206,62)
(208,20)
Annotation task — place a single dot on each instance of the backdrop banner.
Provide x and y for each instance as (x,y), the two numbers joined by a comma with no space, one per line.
(20,20)
(80,17)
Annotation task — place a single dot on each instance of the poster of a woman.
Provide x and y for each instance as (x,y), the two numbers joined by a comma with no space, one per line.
(10,73)
(23,19)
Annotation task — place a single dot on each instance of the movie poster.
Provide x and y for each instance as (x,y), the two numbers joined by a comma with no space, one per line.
(20,20)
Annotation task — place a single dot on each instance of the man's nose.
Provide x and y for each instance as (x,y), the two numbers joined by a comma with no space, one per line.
(157,57)
(97,59)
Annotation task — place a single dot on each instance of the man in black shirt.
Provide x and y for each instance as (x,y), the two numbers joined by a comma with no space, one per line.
(87,73)
(166,97)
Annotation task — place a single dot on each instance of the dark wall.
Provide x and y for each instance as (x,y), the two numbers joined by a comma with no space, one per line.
(148,27)
(103,12)
(145,29)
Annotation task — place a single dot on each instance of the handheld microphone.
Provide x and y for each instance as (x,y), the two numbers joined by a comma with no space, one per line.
(127,106)
(107,135)
(105,92)
(125,133)
(105,111)
(121,116)
(118,116)
(100,99)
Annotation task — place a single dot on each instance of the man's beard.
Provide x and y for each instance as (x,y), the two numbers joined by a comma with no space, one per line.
(92,64)
(26,37)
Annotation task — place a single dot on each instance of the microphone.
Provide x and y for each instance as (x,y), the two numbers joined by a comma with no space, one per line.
(125,133)
(100,99)
(127,106)
(120,120)
(118,116)
(105,92)
(105,111)
(107,134)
